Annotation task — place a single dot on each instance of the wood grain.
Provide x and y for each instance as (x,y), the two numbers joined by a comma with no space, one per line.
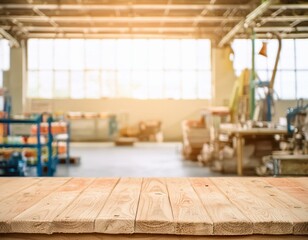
(303,182)
(9,186)
(154,212)
(17,203)
(297,211)
(97,236)
(39,217)
(189,215)
(290,187)
(174,207)
(6,179)
(266,218)
(80,215)
(227,218)
(119,213)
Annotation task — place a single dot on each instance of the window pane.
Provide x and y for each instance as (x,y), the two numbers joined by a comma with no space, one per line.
(264,75)
(4,55)
(33,83)
(302,84)
(204,54)
(189,87)
(272,48)
(108,54)
(45,54)
(61,54)
(286,60)
(137,68)
(140,54)
(139,84)
(242,55)
(301,54)
(124,54)
(33,53)
(204,84)
(124,84)
(156,54)
(189,57)
(172,54)
(108,84)
(172,84)
(77,84)
(285,84)
(156,80)
(61,84)
(45,84)
(92,84)
(77,54)
(93,56)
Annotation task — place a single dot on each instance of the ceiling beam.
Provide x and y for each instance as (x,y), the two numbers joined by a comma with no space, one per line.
(155,36)
(182,19)
(269,36)
(245,22)
(126,6)
(120,35)
(144,6)
(27,18)
(13,41)
(281,29)
(285,18)
(289,6)
(113,29)
(125,29)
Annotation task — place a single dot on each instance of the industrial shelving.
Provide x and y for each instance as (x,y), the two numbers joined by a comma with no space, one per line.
(51,159)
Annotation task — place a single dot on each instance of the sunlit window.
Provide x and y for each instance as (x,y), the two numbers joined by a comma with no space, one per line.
(119,68)
(4,55)
(291,80)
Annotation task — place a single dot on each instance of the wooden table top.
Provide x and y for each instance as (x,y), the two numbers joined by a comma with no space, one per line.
(253,131)
(176,206)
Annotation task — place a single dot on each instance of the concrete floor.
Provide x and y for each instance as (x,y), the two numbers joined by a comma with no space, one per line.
(141,160)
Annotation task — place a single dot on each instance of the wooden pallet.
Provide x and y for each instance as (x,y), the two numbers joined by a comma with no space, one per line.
(162,208)
(72,160)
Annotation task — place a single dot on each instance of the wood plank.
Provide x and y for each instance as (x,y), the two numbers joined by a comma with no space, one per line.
(119,213)
(189,214)
(9,186)
(154,211)
(303,182)
(298,211)
(292,188)
(97,236)
(80,215)
(39,217)
(227,218)
(7,179)
(17,203)
(266,218)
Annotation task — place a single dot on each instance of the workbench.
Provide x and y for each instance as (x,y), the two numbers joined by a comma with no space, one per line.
(290,164)
(153,208)
(241,134)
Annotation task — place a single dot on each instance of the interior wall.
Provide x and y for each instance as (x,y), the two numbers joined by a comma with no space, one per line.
(170,112)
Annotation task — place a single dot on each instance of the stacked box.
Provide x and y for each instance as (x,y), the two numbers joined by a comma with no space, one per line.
(195,135)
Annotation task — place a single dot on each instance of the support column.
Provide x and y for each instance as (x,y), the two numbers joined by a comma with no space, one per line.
(14,79)
(223,76)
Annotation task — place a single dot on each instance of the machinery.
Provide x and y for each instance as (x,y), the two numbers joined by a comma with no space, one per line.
(297,127)
(15,166)
(292,159)
(268,86)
